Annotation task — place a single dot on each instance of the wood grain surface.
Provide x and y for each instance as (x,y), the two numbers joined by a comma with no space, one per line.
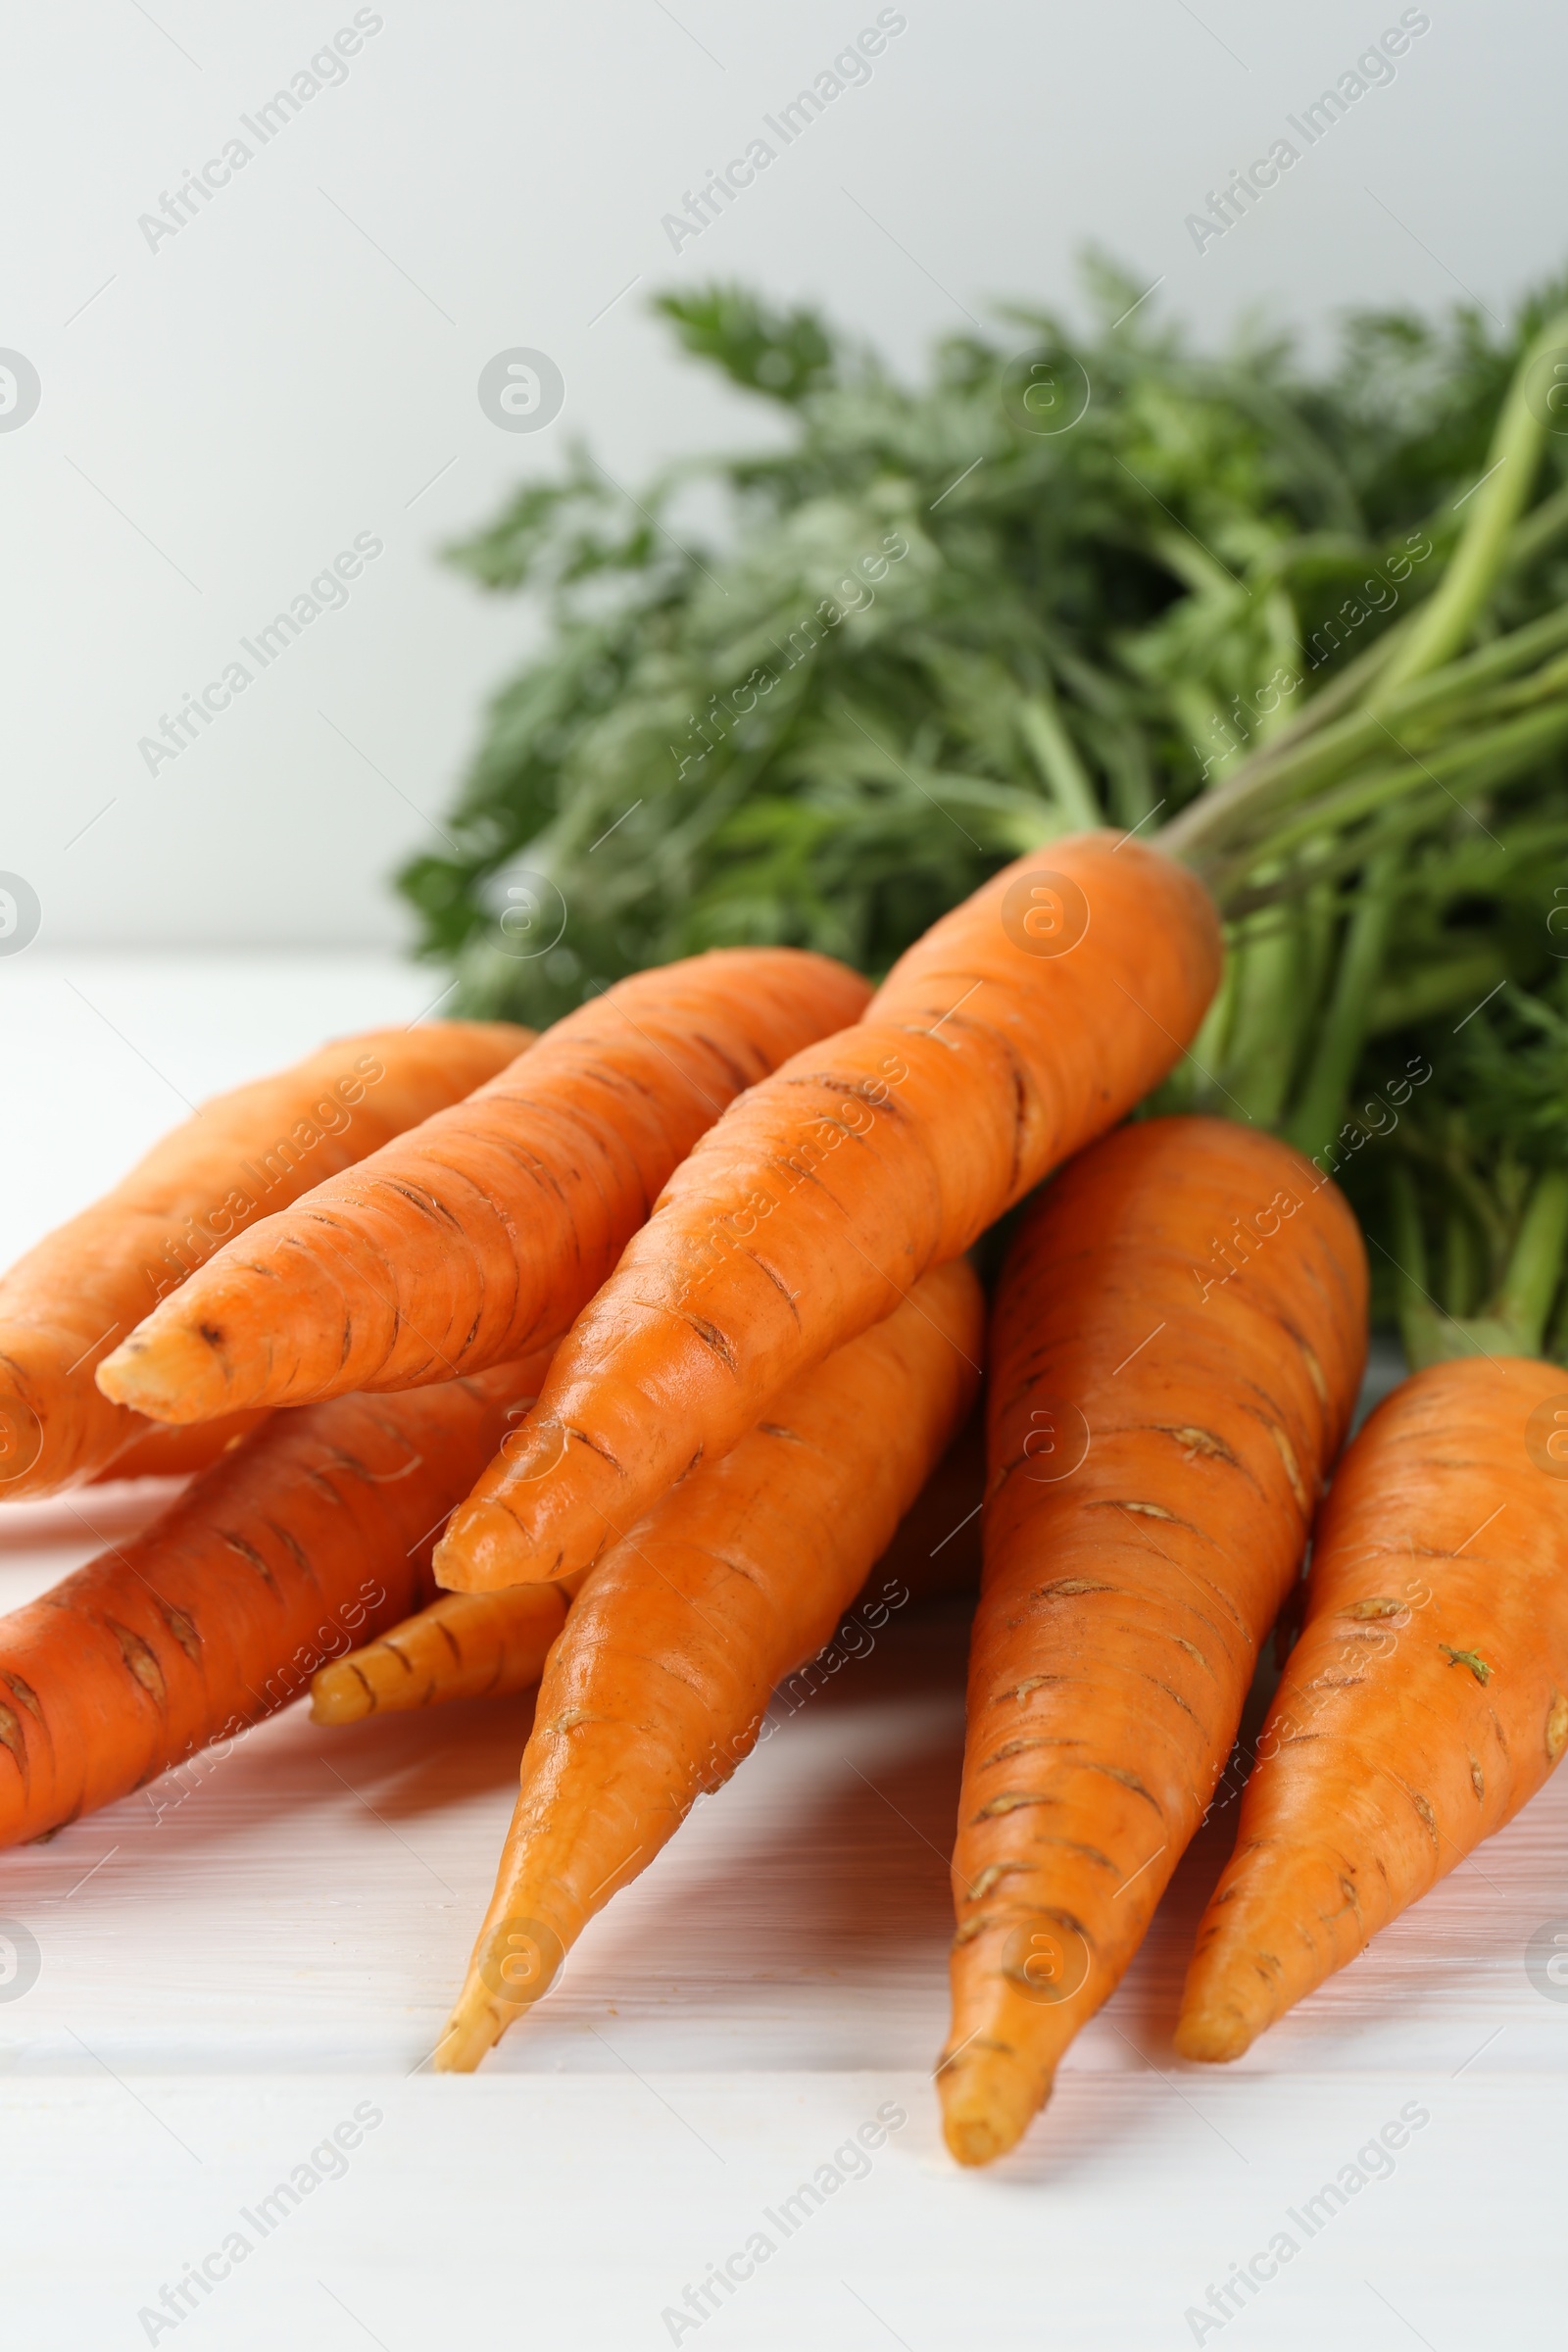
(232,1962)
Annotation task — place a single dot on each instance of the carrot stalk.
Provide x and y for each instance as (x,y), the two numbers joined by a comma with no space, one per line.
(1176,1347)
(1425,1701)
(316,1528)
(658,1684)
(482,1233)
(64,1304)
(1023,1024)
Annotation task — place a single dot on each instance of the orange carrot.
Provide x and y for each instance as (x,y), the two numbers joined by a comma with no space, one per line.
(491,1645)
(936,1552)
(1025,1024)
(86,1284)
(483,1233)
(1425,1702)
(462,1646)
(1176,1347)
(316,1528)
(657,1685)
(163,1452)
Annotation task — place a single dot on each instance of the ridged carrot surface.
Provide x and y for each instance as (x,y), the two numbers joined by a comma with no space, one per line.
(1426,1700)
(459,1646)
(64,1305)
(491,1645)
(659,1681)
(161,1452)
(1175,1349)
(1025,1024)
(314,1530)
(484,1232)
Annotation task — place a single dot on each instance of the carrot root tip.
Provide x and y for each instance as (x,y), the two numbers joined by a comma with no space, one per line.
(340,1695)
(472,2030)
(482,1550)
(988,2103)
(170,1376)
(1213,2037)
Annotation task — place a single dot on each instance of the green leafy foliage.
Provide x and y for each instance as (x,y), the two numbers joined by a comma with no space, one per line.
(928,634)
(815,692)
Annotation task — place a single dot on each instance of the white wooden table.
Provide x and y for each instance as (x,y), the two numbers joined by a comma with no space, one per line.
(225,1976)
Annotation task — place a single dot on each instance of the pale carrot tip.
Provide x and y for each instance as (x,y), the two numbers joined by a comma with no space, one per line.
(483,1550)
(168,1375)
(1213,2037)
(474,2026)
(339,1694)
(988,2103)
(974,2139)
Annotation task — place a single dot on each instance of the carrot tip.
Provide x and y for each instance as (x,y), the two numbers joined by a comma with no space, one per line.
(974,2139)
(1214,2037)
(339,1694)
(475,2027)
(483,1550)
(168,1375)
(988,2102)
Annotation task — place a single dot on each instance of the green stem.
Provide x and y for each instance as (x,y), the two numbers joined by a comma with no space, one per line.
(1276,778)
(1319,924)
(1439,986)
(1469,765)
(1411,1304)
(1192,1081)
(1534,1268)
(1260,1060)
(1315,1120)
(1285,635)
(1056,755)
(1462,1265)
(1455,1172)
(1442,879)
(1445,621)
(1535,533)
(1529,539)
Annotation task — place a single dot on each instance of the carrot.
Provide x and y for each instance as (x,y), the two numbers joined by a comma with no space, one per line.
(462,1646)
(1425,1702)
(483,1233)
(1025,1024)
(935,1552)
(1176,1347)
(491,1645)
(87,1283)
(657,1685)
(163,1452)
(315,1528)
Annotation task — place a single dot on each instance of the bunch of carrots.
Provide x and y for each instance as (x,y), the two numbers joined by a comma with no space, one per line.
(610,1360)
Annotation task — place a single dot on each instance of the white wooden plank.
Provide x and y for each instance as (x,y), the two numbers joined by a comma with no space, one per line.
(230,1963)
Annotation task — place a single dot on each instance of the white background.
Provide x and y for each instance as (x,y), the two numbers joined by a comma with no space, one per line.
(300,363)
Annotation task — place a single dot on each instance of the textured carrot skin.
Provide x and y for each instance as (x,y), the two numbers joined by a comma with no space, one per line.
(164,1453)
(817,1202)
(86,1284)
(482,1233)
(313,1531)
(1156,1448)
(460,1645)
(1426,1700)
(658,1685)
(492,1644)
